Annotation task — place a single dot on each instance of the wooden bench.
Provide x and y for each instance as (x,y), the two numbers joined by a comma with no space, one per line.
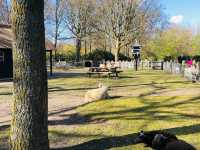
(99,72)
(115,73)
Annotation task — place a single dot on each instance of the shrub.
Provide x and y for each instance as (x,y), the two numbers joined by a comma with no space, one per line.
(196,58)
(99,55)
(123,57)
(67,56)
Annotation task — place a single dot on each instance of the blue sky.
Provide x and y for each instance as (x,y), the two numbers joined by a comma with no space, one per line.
(185,12)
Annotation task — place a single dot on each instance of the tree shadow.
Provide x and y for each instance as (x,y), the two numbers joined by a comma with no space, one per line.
(57,75)
(60,89)
(75,118)
(148,112)
(103,143)
(70,120)
(4,139)
(6,80)
(6,93)
(127,77)
(125,140)
(152,84)
(4,127)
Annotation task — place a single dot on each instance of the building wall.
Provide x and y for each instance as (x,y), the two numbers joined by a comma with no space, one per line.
(6,63)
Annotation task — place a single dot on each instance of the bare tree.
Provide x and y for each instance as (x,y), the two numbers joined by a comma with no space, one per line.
(29,126)
(150,18)
(54,20)
(124,21)
(5,12)
(115,20)
(78,18)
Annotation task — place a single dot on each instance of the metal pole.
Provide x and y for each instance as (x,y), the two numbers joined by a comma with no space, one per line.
(136,64)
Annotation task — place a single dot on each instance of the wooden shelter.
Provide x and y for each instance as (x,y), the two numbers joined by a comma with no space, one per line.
(6,60)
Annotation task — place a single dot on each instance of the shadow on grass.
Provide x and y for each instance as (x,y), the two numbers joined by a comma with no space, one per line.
(75,118)
(6,80)
(4,127)
(152,84)
(59,89)
(70,120)
(125,140)
(109,142)
(6,93)
(57,75)
(103,143)
(4,138)
(148,112)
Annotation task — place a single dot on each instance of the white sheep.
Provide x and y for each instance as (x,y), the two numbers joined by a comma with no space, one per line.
(97,94)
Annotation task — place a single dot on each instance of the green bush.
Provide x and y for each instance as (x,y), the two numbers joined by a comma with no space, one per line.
(123,57)
(99,55)
(69,56)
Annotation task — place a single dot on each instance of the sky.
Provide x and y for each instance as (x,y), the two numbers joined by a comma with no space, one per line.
(185,12)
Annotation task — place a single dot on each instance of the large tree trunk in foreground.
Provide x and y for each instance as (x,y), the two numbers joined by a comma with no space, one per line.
(29,127)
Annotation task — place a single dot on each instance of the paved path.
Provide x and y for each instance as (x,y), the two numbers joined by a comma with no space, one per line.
(58,101)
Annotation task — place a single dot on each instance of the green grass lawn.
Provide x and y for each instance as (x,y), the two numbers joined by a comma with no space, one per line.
(146,100)
(113,123)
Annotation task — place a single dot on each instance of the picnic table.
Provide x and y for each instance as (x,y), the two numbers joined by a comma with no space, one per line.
(112,72)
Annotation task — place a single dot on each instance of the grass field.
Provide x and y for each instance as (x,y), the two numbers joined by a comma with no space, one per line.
(146,100)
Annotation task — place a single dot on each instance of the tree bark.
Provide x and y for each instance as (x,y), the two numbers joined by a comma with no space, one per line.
(56,28)
(117,50)
(29,126)
(85,44)
(78,49)
(90,46)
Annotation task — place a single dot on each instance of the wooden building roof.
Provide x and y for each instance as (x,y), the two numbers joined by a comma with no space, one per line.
(6,38)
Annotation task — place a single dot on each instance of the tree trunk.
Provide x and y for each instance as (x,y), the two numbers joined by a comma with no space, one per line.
(56,28)
(85,44)
(29,126)
(90,47)
(105,44)
(78,49)
(117,50)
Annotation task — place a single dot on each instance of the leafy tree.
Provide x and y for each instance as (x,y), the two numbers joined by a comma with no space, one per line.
(66,52)
(99,55)
(196,44)
(174,41)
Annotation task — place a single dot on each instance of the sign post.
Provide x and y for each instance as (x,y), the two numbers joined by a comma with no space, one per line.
(136,49)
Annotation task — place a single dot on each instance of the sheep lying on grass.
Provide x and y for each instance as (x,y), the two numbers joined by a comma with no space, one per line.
(97,94)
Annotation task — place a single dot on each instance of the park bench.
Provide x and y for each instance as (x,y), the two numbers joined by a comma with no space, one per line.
(112,72)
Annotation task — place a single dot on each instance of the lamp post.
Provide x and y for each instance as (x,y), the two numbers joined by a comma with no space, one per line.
(136,53)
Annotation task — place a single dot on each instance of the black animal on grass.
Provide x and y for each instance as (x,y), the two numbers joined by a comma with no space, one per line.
(160,140)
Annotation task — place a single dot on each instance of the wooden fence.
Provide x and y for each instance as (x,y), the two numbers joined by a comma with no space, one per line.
(142,65)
